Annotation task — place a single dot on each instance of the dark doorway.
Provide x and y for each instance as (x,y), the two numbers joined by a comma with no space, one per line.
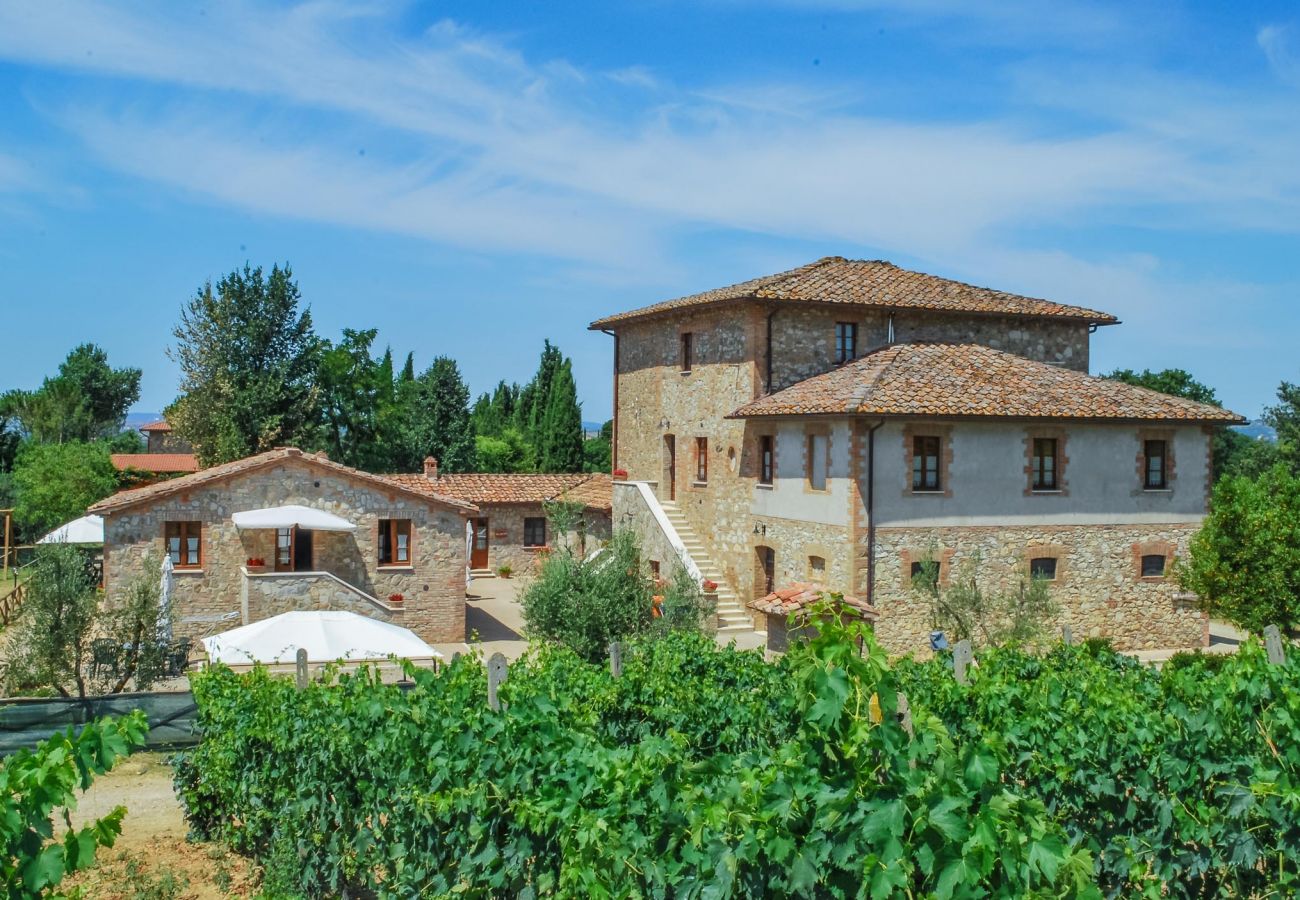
(670,465)
(764,571)
(303,546)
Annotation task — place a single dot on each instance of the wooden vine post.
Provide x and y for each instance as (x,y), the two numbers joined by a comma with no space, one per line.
(961,660)
(1273,644)
(497,668)
(300,674)
(616,659)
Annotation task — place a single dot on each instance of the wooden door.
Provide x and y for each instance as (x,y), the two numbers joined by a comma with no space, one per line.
(764,571)
(670,465)
(478,557)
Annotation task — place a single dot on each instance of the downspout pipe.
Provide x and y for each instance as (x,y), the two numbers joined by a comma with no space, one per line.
(613,440)
(871,511)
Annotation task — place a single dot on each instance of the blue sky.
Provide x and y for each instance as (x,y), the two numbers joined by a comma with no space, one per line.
(470,178)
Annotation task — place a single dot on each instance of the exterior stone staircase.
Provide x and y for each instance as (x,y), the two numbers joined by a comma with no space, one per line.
(733,616)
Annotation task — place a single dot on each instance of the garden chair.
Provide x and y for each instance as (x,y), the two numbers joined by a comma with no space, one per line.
(104,654)
(178,656)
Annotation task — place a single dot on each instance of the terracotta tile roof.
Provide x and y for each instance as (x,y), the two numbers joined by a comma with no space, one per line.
(791,599)
(942,379)
(156,462)
(206,477)
(499,488)
(160,425)
(870,283)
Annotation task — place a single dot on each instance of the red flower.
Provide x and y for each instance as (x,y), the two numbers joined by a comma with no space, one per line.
(709,586)
(620,473)
(395,598)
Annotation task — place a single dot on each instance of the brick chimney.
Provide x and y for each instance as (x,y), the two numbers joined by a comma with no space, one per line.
(431,468)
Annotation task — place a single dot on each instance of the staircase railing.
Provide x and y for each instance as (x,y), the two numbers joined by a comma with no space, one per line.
(647,497)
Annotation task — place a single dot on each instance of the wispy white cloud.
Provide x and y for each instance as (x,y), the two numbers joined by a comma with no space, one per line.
(1278,44)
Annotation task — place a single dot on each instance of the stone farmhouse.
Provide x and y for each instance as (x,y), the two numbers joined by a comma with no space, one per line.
(287,530)
(845,421)
(165,456)
(511,526)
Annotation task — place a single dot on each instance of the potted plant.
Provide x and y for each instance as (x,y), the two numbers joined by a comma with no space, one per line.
(505,570)
(709,586)
(620,474)
(395,598)
(255,565)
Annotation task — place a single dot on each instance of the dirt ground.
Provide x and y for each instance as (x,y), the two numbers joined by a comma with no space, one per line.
(152,860)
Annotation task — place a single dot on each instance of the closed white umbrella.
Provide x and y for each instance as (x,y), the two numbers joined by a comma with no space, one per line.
(469,551)
(326,635)
(165,600)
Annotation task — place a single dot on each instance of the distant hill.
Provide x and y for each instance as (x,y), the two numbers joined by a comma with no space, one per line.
(1257,430)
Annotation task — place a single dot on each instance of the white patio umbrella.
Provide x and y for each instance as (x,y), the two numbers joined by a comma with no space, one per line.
(86,530)
(165,600)
(326,635)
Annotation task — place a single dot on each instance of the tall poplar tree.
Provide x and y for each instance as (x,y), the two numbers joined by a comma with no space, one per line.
(249,360)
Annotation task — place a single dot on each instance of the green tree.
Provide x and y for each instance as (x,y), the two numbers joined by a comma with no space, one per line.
(989,616)
(1244,563)
(249,361)
(561,430)
(54,483)
(507,452)
(88,399)
(51,643)
(440,422)
(354,391)
(597,452)
(584,604)
(1285,420)
(1232,451)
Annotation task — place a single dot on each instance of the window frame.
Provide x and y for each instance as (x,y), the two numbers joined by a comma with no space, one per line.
(392,529)
(843,331)
(183,529)
(1039,471)
(530,524)
(1142,565)
(1147,458)
(810,468)
(686,351)
(701,460)
(920,467)
(1055,566)
(766,460)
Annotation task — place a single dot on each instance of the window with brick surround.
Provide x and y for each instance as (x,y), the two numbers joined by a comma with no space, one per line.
(926,569)
(818,460)
(1044,464)
(925,462)
(1156,466)
(817,568)
(1043,567)
(394,542)
(184,544)
(846,342)
(688,351)
(654,569)
(766,459)
(1153,565)
(535,531)
(701,460)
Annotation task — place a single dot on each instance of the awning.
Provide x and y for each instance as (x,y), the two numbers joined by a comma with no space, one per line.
(326,635)
(86,530)
(289,516)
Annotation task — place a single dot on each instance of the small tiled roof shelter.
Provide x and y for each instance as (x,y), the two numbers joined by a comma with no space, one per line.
(786,610)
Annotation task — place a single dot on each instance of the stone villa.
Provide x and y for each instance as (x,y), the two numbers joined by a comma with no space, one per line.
(845,421)
(288,530)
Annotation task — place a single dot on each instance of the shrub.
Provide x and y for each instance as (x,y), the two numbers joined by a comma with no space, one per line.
(34,784)
(585,604)
(970,610)
(702,771)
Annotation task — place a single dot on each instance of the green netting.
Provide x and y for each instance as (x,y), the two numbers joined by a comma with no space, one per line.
(25,723)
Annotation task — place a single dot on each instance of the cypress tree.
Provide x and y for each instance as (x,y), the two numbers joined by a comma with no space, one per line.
(441,418)
(561,428)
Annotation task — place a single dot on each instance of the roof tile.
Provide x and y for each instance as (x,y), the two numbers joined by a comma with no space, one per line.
(156,462)
(803,594)
(592,490)
(870,283)
(942,379)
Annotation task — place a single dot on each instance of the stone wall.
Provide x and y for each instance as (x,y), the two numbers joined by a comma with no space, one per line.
(506,534)
(633,514)
(1099,585)
(433,586)
(272,593)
